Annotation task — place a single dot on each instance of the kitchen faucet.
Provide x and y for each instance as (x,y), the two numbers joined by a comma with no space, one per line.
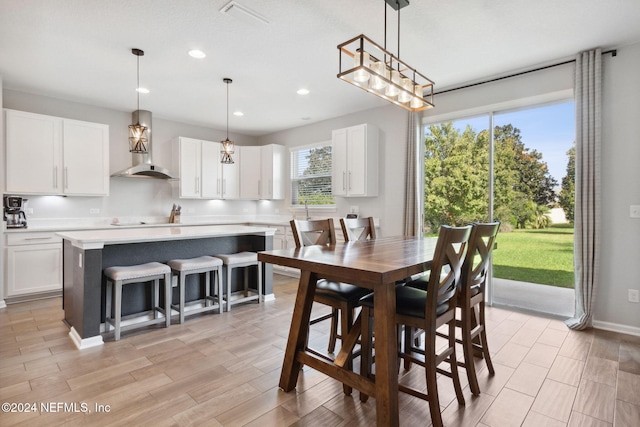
(306,209)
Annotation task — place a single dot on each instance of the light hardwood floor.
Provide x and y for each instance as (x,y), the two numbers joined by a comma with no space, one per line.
(224,370)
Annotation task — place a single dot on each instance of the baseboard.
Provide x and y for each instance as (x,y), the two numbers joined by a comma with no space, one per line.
(82,343)
(616,327)
(269,297)
(3,304)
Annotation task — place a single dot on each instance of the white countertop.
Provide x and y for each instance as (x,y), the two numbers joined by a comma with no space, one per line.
(72,224)
(97,239)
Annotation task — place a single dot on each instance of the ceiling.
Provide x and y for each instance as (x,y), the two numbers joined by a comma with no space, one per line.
(80,50)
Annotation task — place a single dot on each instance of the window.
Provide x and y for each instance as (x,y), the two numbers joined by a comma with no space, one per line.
(311,175)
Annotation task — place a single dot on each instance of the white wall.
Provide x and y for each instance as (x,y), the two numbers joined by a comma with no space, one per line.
(388,206)
(620,248)
(128,196)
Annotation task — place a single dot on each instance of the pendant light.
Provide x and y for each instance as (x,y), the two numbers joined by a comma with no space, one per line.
(226,151)
(371,67)
(138,135)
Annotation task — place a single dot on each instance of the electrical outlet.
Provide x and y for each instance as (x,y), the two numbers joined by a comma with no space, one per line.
(634,211)
(354,209)
(634,295)
(94,211)
(29,211)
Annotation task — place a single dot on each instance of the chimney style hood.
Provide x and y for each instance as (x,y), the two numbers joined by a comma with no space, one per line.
(143,166)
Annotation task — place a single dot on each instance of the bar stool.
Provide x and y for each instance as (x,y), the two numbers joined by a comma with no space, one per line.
(206,265)
(149,272)
(242,259)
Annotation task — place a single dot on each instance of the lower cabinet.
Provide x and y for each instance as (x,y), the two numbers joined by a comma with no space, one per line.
(34,263)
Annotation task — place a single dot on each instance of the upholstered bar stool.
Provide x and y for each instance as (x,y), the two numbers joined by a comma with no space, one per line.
(206,265)
(242,259)
(117,277)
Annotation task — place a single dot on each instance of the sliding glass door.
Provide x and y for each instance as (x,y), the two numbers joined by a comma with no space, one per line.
(515,167)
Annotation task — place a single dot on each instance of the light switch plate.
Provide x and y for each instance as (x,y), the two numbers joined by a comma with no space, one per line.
(634,211)
(634,295)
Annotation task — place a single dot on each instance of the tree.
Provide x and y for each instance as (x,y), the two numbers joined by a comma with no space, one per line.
(456,178)
(567,197)
(314,187)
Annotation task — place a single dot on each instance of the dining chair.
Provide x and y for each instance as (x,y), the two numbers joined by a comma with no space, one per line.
(427,310)
(343,298)
(358,229)
(470,300)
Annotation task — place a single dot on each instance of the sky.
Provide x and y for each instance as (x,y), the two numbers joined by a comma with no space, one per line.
(549,129)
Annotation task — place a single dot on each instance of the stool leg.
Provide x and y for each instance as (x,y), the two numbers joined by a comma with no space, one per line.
(229,273)
(156,297)
(246,281)
(259,281)
(118,304)
(167,299)
(182,284)
(107,305)
(218,288)
(207,288)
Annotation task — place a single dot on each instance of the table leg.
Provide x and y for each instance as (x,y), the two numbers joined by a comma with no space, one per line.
(299,330)
(386,355)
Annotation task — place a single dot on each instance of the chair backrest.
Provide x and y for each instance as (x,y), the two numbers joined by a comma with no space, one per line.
(358,229)
(476,262)
(449,254)
(313,232)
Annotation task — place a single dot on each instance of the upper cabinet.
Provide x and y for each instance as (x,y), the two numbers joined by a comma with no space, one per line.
(262,172)
(52,155)
(201,174)
(273,171)
(355,161)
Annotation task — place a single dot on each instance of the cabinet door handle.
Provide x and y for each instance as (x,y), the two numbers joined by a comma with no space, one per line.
(38,238)
(259,188)
(344,180)
(55,177)
(218,186)
(270,189)
(349,180)
(224,186)
(66,177)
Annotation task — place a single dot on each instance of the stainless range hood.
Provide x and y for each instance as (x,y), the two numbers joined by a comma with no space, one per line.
(143,166)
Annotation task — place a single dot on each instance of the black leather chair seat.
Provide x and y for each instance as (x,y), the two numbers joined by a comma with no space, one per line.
(340,291)
(410,301)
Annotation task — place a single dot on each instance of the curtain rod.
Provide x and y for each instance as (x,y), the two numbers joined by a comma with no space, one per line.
(613,52)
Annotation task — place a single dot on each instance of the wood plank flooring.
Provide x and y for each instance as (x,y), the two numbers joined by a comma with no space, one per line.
(223,370)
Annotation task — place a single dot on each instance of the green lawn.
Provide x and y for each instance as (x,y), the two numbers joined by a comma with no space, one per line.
(538,256)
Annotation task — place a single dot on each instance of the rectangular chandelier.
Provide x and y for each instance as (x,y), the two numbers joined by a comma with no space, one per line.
(367,65)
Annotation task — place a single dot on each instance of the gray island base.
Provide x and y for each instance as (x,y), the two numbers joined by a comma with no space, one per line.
(87,253)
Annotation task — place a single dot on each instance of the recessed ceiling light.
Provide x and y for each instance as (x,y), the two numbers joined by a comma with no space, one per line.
(195,53)
(142,90)
(238,113)
(303,91)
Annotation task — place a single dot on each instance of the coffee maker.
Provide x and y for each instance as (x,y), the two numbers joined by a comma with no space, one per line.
(14,211)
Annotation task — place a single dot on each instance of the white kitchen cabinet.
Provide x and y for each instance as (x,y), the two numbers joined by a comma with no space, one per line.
(34,263)
(354,157)
(52,155)
(250,172)
(263,172)
(273,171)
(201,174)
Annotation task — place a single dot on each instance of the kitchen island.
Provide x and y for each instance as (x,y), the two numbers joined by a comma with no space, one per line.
(87,253)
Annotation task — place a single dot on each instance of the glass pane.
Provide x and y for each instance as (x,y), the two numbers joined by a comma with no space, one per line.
(533,194)
(311,176)
(456,167)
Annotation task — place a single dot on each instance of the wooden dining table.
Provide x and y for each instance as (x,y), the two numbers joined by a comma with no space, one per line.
(376,265)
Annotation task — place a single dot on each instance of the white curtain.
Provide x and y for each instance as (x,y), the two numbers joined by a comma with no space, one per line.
(412,210)
(588,95)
